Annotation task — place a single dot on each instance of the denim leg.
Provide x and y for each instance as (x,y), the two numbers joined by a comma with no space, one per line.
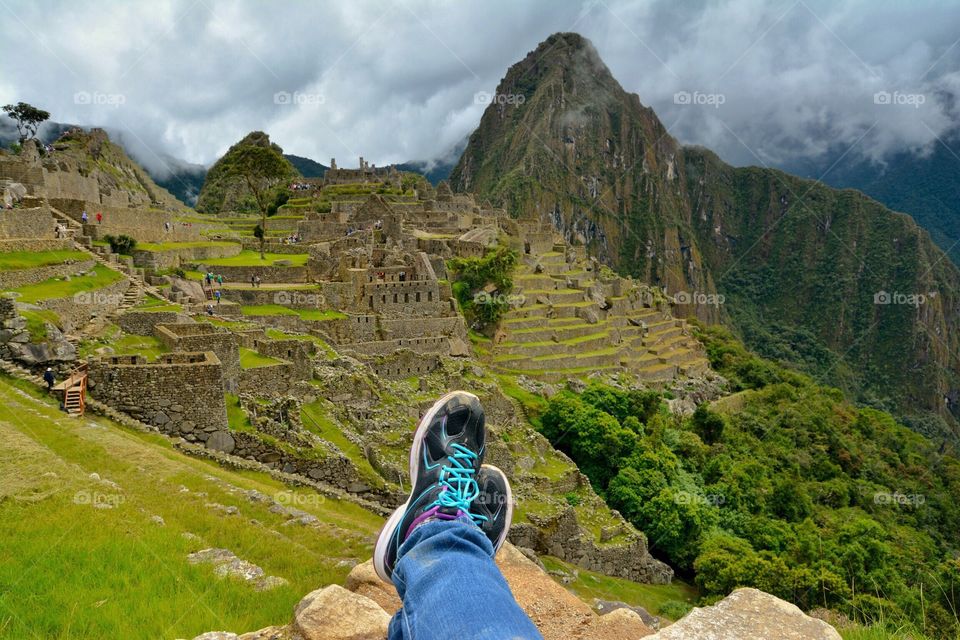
(451,588)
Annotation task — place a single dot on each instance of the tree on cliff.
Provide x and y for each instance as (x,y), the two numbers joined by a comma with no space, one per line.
(261,169)
(27,117)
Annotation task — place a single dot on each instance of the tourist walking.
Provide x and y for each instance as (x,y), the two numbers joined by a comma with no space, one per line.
(216,294)
(83,217)
(219,280)
(99,218)
(258,281)
(48,378)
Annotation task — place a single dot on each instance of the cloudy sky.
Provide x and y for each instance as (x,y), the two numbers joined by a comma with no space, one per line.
(759,82)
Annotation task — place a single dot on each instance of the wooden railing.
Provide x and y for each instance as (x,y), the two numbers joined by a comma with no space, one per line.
(75,390)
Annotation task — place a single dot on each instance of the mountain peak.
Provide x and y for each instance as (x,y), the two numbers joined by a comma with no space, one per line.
(567,56)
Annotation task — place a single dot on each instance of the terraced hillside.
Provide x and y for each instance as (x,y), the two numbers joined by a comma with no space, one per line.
(573,322)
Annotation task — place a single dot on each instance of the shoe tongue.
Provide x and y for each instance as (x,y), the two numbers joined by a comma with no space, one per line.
(452,512)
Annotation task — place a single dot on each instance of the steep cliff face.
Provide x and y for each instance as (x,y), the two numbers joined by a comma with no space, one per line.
(830,280)
(86,165)
(562,140)
(225,187)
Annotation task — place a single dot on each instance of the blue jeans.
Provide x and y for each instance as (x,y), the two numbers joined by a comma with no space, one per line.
(452,589)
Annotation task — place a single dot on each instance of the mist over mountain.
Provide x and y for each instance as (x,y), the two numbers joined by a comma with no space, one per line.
(801,270)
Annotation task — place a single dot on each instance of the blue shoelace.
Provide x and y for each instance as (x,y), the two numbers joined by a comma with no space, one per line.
(458,479)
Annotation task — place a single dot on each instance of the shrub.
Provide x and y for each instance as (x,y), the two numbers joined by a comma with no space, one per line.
(121,244)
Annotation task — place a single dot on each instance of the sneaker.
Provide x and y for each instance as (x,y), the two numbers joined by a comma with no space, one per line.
(446,455)
(493,508)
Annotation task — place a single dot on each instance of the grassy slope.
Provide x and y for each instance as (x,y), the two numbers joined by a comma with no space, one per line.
(33,259)
(68,570)
(247,258)
(60,288)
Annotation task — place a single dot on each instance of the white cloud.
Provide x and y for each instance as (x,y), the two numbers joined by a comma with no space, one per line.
(397,80)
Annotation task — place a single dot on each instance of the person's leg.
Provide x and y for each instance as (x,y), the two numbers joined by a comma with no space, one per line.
(438,548)
(451,588)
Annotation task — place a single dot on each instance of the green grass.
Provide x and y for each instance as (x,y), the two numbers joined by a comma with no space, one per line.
(533,405)
(248,258)
(147,346)
(100,277)
(277,334)
(156,304)
(589,585)
(37,320)
(250,359)
(315,418)
(237,418)
(878,632)
(280,310)
(73,572)
(33,259)
(167,246)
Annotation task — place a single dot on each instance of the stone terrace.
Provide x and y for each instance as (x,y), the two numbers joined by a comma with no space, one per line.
(569,320)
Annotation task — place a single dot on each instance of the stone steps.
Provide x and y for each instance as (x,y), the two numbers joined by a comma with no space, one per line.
(555,296)
(591,342)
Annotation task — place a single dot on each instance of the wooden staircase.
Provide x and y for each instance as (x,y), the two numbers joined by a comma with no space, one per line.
(74,389)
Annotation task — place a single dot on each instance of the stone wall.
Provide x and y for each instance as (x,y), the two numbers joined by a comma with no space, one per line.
(172,258)
(294,297)
(405,363)
(299,353)
(143,323)
(562,537)
(146,225)
(180,393)
(202,336)
(29,175)
(13,278)
(424,345)
(9,245)
(334,469)
(34,222)
(77,310)
(412,298)
(268,274)
(271,380)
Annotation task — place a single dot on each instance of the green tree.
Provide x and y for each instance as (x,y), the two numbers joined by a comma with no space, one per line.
(707,424)
(27,117)
(261,169)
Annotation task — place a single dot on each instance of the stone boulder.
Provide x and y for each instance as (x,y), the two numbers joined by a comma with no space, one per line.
(55,348)
(333,613)
(363,580)
(221,441)
(13,193)
(192,290)
(748,614)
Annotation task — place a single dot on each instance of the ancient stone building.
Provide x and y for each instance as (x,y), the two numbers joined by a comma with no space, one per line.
(179,393)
